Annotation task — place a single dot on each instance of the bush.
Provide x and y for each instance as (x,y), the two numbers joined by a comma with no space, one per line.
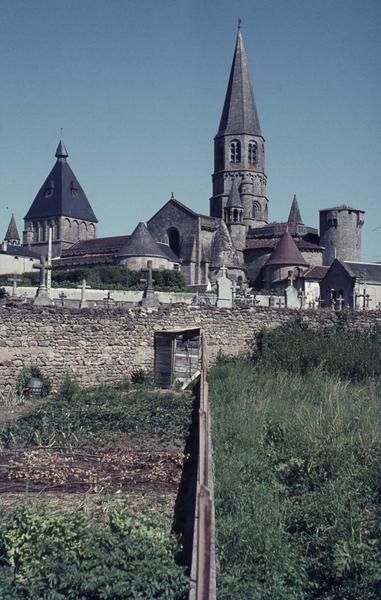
(32,371)
(339,350)
(59,556)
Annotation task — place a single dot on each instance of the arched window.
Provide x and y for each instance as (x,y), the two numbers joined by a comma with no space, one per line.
(235,151)
(253,152)
(174,240)
(256,209)
(235,215)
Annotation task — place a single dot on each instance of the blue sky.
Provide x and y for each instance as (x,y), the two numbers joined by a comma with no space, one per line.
(138,88)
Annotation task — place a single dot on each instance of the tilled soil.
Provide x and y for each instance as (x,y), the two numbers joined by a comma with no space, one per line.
(71,471)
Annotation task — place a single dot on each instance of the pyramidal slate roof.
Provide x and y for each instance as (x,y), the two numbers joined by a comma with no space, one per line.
(239,114)
(141,243)
(286,253)
(12,232)
(223,251)
(61,193)
(234,199)
(295,216)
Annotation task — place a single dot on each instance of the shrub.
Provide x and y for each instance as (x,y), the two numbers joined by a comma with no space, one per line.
(32,371)
(298,348)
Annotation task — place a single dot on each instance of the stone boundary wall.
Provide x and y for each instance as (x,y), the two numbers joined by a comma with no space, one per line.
(106,345)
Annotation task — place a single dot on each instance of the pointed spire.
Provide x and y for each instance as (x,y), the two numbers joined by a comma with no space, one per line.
(295,216)
(61,151)
(12,234)
(223,250)
(234,200)
(239,114)
(286,253)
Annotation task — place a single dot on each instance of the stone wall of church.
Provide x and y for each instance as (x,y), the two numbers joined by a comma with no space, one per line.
(106,345)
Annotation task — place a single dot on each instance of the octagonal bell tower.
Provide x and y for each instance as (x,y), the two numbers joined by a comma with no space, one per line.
(239,147)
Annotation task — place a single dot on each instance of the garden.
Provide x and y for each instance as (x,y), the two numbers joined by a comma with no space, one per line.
(296,432)
(89,486)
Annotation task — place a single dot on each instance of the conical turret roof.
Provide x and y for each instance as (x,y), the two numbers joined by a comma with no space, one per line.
(12,232)
(286,253)
(239,114)
(61,193)
(234,200)
(223,250)
(141,243)
(295,216)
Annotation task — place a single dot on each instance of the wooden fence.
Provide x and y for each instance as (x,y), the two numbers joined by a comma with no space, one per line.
(203,571)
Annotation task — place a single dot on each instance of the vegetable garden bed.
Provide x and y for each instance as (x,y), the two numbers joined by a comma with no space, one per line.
(89,481)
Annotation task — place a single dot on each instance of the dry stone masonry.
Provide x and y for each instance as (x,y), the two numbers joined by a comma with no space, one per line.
(106,345)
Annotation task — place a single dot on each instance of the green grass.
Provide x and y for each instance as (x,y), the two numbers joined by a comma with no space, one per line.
(79,417)
(298,479)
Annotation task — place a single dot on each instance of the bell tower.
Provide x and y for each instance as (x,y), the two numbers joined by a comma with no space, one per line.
(239,147)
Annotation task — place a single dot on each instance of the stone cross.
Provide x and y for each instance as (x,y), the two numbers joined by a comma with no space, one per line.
(150,300)
(279,304)
(62,297)
(340,302)
(42,297)
(149,281)
(83,302)
(319,302)
(14,281)
(107,300)
(302,298)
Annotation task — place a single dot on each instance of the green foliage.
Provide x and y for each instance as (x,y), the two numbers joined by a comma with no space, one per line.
(109,277)
(298,479)
(32,371)
(79,417)
(338,350)
(45,554)
(141,376)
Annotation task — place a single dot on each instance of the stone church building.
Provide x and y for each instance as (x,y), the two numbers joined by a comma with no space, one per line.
(236,235)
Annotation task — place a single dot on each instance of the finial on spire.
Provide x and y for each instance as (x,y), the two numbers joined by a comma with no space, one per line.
(172,196)
(61,151)
(239,24)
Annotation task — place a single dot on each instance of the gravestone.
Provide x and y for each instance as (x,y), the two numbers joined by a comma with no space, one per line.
(150,300)
(291,297)
(224,292)
(42,297)
(83,302)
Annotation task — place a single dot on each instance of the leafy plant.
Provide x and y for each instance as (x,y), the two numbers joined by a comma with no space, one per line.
(57,556)
(32,371)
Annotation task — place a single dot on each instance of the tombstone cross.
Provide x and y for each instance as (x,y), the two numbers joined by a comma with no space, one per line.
(14,280)
(149,281)
(84,287)
(302,298)
(319,301)
(279,304)
(62,297)
(365,299)
(340,302)
(42,297)
(107,300)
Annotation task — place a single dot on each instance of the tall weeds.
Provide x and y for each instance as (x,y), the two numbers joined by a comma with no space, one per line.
(298,479)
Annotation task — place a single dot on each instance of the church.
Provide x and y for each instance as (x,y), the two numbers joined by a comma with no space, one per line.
(236,236)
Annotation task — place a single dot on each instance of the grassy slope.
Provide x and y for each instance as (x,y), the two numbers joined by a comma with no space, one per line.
(298,476)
